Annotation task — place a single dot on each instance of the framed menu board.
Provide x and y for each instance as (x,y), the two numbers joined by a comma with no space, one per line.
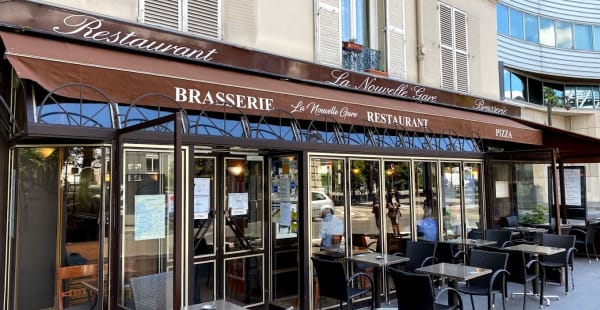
(575,188)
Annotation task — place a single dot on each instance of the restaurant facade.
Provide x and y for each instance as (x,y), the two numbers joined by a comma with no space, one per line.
(209,168)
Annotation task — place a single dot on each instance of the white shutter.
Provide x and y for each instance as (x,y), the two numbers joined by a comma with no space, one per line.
(329,37)
(454,52)
(462,53)
(203,17)
(447,47)
(396,39)
(161,13)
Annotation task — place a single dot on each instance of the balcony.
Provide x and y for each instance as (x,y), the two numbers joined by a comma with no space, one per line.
(362,59)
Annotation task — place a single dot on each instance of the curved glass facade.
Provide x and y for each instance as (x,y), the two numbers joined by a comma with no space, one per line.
(538,29)
(553,33)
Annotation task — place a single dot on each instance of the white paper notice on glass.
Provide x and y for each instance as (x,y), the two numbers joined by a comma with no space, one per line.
(285,214)
(201,198)
(150,215)
(237,203)
(572,187)
(202,187)
(201,207)
(284,188)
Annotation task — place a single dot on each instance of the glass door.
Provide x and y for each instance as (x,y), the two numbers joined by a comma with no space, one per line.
(243,218)
(147,229)
(284,231)
(203,272)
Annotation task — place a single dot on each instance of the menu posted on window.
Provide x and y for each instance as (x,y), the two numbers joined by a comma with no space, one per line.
(201,198)
(237,203)
(150,217)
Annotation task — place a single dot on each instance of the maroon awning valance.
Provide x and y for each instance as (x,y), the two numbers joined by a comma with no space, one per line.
(125,76)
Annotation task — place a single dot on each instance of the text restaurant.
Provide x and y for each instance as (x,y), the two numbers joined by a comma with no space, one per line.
(146,169)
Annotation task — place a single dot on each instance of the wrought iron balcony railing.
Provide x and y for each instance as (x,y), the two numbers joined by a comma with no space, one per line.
(361,60)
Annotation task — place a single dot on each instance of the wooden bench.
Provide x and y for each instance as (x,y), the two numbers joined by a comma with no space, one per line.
(78,272)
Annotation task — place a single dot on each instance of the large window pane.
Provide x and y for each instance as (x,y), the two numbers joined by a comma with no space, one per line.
(397,202)
(535,92)
(547,32)
(451,201)
(472,186)
(518,86)
(516,24)
(502,18)
(327,203)
(365,190)
(564,34)
(426,201)
(582,36)
(596,38)
(346,21)
(554,93)
(506,81)
(531,28)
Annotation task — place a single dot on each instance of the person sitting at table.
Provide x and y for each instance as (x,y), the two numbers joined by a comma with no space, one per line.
(427,227)
(332,229)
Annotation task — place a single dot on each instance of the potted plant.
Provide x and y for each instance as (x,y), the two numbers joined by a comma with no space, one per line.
(352,45)
(537,216)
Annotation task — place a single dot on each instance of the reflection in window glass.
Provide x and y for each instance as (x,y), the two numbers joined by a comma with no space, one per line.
(596,95)
(516,24)
(506,75)
(397,202)
(451,201)
(596,38)
(534,91)
(518,87)
(472,199)
(365,202)
(564,35)
(555,93)
(426,202)
(584,97)
(582,37)
(531,29)
(547,32)
(502,19)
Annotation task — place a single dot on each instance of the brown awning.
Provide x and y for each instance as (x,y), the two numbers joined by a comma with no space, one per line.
(124,77)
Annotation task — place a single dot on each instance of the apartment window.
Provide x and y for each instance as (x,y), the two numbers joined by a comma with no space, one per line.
(355,21)
(532,33)
(597,38)
(200,17)
(564,34)
(502,19)
(582,37)
(516,24)
(454,51)
(547,32)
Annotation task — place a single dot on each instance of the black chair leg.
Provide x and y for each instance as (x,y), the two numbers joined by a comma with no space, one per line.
(472,302)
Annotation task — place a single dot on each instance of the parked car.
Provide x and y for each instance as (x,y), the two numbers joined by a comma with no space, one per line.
(320,201)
